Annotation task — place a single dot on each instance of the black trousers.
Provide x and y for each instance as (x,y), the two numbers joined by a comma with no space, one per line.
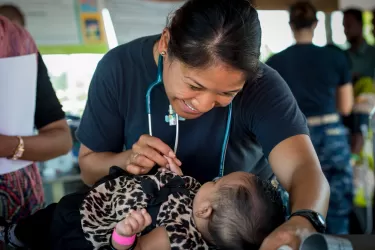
(56,227)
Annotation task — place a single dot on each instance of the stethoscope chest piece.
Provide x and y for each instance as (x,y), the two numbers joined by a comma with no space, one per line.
(172,118)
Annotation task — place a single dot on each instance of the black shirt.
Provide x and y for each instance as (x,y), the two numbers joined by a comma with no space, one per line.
(48,108)
(264,114)
(313,74)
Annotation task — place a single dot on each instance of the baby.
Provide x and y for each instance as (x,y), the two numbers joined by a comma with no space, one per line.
(236,211)
(161,211)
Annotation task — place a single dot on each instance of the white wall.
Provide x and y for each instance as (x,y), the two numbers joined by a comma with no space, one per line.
(51,22)
(363,4)
(136,18)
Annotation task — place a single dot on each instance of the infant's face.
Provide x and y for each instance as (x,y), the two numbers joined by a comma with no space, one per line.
(210,188)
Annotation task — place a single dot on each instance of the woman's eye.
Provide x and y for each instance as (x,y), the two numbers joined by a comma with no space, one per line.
(194,87)
(229,94)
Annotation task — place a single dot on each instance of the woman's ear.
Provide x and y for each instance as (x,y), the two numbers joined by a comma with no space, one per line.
(164,41)
(205,210)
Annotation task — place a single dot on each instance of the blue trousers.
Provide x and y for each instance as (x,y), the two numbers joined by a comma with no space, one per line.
(332,147)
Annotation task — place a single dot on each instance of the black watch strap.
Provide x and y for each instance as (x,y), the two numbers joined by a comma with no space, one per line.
(130,248)
(315,218)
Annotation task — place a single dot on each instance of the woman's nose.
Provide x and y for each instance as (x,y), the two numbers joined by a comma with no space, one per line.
(204,102)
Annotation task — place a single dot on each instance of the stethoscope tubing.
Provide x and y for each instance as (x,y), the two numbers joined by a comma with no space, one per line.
(149,116)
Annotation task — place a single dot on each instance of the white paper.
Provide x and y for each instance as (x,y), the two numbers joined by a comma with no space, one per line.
(17,102)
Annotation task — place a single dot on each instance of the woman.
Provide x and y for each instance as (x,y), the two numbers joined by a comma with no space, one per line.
(319,78)
(210,53)
(22,191)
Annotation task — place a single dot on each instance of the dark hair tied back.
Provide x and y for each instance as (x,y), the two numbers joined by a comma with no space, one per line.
(302,15)
(207,32)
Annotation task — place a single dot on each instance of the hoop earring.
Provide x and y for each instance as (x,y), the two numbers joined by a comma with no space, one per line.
(163,53)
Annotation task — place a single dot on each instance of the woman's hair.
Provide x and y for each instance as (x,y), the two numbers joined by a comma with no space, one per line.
(12,12)
(302,15)
(15,40)
(207,32)
(245,214)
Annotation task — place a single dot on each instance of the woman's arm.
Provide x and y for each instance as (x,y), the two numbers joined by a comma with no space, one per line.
(297,167)
(281,128)
(54,138)
(95,165)
(52,141)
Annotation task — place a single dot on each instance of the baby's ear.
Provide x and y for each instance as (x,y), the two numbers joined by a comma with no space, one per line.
(205,210)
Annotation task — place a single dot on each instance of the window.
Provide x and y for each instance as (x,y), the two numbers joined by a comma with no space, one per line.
(338,35)
(71,76)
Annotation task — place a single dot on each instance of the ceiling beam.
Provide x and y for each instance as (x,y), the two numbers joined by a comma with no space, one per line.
(322,5)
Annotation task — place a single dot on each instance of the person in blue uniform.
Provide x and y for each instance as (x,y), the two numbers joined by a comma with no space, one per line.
(208,69)
(362,57)
(319,78)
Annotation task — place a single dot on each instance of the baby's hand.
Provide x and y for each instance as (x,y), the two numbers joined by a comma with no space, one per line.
(134,223)
(173,167)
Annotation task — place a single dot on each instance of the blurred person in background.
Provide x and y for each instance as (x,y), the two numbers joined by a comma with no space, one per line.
(360,52)
(21,191)
(362,57)
(13,13)
(319,78)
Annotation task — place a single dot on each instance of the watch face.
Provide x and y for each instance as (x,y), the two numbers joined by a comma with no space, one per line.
(321,219)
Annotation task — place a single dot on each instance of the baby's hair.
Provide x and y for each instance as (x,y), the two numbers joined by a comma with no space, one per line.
(245,214)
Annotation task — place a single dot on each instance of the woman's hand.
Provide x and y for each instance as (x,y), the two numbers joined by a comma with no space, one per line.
(146,153)
(288,234)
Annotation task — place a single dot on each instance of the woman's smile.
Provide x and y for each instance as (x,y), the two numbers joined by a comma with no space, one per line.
(188,109)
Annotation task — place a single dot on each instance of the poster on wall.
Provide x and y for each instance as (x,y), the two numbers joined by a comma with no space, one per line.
(92,28)
(88,6)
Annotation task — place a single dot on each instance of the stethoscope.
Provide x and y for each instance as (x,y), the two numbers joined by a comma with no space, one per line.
(174,118)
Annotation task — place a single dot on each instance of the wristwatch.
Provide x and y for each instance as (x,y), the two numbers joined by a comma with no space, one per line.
(19,150)
(315,218)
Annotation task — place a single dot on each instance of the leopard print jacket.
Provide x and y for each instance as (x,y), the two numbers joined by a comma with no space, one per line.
(108,203)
